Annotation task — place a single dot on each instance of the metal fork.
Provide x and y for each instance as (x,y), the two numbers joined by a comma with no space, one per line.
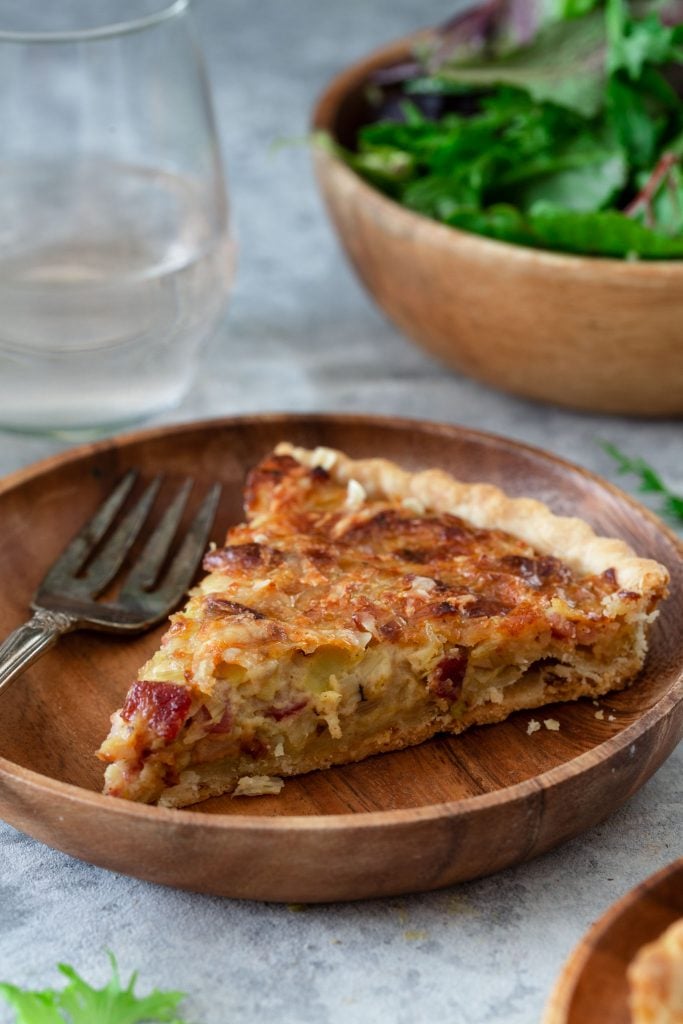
(66,599)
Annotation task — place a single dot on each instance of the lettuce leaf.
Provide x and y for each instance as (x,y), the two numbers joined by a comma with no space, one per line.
(556,124)
(562,51)
(80,1003)
(563,64)
(634,42)
(601,233)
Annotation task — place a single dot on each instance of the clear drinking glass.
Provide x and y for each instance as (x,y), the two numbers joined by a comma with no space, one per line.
(115,257)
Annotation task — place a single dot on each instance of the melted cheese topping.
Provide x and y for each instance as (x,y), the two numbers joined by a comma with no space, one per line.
(330,615)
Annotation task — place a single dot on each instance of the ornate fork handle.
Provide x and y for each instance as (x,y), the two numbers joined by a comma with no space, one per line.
(26,644)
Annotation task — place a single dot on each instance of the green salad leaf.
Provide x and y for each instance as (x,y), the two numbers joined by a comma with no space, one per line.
(575,8)
(80,1003)
(567,135)
(583,178)
(562,64)
(632,43)
(605,233)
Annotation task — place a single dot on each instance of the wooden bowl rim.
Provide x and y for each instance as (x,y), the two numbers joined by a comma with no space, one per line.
(559,1002)
(464,807)
(324,112)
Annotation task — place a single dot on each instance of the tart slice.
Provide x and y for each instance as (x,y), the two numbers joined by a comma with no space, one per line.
(362,608)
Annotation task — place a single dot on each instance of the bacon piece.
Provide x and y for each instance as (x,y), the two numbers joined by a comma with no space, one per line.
(446,679)
(561,628)
(224,725)
(164,706)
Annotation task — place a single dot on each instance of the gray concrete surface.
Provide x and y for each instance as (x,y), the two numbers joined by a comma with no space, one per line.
(301,335)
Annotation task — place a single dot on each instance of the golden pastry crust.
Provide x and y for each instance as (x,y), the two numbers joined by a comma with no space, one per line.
(360,609)
(489,508)
(655,979)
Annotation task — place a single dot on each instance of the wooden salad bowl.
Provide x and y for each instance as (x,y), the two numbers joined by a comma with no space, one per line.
(593,986)
(584,332)
(450,809)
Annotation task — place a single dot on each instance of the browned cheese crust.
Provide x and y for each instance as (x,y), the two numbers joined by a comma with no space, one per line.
(362,608)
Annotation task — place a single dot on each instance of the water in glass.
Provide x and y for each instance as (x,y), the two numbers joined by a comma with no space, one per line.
(115,256)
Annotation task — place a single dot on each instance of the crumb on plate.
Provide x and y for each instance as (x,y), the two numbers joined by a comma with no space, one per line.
(258,785)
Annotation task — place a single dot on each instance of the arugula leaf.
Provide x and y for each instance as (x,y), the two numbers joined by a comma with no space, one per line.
(576,8)
(641,105)
(503,222)
(438,196)
(602,233)
(633,43)
(584,177)
(522,149)
(80,1003)
(636,126)
(650,481)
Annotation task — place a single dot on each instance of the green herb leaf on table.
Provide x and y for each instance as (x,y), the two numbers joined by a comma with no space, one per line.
(80,1003)
(650,481)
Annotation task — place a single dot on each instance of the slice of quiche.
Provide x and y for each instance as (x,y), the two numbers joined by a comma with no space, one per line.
(362,608)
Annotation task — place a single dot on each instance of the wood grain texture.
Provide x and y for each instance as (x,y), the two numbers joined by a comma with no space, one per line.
(593,987)
(583,332)
(451,809)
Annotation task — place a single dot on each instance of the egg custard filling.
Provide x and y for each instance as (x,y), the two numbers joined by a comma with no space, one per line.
(362,608)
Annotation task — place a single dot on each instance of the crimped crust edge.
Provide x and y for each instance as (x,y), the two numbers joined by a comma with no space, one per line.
(486,506)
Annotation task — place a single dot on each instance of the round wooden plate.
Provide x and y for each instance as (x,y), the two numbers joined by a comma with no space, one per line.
(593,987)
(448,810)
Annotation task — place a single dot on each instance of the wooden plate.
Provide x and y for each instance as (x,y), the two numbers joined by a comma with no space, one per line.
(592,988)
(446,811)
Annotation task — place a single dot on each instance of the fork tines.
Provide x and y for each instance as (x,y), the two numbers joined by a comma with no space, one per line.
(87,566)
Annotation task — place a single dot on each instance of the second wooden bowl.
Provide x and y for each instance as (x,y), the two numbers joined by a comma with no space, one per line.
(593,987)
(589,333)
